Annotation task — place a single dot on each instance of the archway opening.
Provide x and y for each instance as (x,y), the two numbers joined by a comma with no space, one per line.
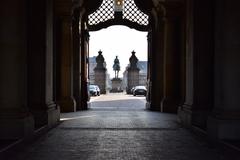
(123,43)
(108,75)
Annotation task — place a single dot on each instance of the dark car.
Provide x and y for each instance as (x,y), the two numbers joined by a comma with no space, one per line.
(140,90)
(94,90)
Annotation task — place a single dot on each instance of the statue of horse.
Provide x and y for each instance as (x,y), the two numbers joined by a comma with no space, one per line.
(116,66)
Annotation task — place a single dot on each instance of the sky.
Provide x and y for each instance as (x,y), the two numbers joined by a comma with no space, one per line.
(118,41)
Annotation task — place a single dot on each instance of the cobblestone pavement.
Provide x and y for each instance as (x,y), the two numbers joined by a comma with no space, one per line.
(118,127)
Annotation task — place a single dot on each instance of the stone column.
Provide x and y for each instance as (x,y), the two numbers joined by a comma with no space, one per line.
(84,67)
(199,65)
(76,58)
(15,119)
(40,64)
(66,99)
(224,122)
(149,66)
(172,60)
(155,81)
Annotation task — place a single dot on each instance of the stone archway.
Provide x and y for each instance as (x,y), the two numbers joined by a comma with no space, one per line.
(165,49)
(164,23)
(39,71)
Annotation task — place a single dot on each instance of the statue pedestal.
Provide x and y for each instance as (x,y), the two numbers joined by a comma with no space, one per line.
(132,79)
(116,85)
(100,79)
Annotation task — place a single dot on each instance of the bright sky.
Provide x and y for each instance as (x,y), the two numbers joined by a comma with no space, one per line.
(118,41)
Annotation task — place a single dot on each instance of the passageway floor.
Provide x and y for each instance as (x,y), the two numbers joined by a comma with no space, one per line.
(122,134)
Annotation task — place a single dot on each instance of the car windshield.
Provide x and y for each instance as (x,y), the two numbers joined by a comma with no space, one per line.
(91,87)
(140,87)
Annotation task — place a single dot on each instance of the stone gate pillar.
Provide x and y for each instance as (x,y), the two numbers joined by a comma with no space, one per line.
(132,73)
(100,73)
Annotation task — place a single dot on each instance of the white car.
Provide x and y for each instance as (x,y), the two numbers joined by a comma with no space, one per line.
(140,90)
(94,90)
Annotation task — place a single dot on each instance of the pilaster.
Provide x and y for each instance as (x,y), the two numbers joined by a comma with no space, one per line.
(155,75)
(76,58)
(16,123)
(40,64)
(199,65)
(224,124)
(84,66)
(15,119)
(66,101)
(224,120)
(172,58)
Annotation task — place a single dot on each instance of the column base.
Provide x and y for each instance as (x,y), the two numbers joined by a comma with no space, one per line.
(78,104)
(152,107)
(227,129)
(84,106)
(53,116)
(17,127)
(89,105)
(45,114)
(169,106)
(185,116)
(193,117)
(67,105)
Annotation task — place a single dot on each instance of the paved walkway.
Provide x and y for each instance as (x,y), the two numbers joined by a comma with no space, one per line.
(118,127)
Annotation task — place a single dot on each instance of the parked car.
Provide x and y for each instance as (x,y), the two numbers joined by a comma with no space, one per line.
(94,90)
(140,90)
(98,90)
(132,89)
